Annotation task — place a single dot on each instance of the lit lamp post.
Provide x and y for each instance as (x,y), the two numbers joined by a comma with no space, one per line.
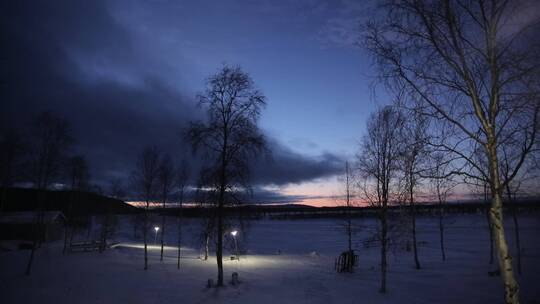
(233,233)
(156,229)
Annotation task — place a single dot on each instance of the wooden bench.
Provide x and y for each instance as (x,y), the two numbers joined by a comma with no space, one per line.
(85,246)
(346,261)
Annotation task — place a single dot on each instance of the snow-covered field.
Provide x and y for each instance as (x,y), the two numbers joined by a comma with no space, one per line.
(285,262)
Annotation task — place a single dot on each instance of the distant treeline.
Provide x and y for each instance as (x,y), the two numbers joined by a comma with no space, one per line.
(304,211)
(87,203)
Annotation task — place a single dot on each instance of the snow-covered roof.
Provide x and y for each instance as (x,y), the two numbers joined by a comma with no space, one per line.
(28,217)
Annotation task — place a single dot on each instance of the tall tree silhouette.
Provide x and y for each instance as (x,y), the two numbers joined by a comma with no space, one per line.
(413,151)
(49,140)
(230,136)
(378,165)
(145,179)
(12,150)
(182,178)
(166,182)
(78,175)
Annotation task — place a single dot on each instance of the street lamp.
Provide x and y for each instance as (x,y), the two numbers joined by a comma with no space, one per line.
(156,229)
(234,233)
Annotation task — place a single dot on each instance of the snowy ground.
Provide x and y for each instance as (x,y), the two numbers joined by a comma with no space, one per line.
(302,273)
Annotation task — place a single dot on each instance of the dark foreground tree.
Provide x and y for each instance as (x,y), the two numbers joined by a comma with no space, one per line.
(49,140)
(12,151)
(166,182)
(145,179)
(230,137)
(78,178)
(204,196)
(413,153)
(378,165)
(182,179)
(349,229)
(474,66)
(442,185)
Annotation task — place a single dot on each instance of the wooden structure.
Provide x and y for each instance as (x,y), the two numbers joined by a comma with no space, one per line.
(87,246)
(23,225)
(346,261)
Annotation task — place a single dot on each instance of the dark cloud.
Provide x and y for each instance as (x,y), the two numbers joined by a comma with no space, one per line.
(285,166)
(112,118)
(74,59)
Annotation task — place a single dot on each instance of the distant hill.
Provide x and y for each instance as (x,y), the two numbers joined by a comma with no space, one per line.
(82,203)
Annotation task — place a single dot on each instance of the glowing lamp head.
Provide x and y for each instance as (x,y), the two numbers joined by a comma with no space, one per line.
(234,232)
(156,228)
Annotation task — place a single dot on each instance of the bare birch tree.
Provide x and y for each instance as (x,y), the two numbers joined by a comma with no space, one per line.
(378,161)
(413,150)
(49,140)
(230,136)
(182,179)
(204,197)
(348,204)
(469,65)
(145,178)
(510,154)
(442,184)
(78,178)
(12,150)
(166,182)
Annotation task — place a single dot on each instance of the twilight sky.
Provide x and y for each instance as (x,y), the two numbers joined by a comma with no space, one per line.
(125,74)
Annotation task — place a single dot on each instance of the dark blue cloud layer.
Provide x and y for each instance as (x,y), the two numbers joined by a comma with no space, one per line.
(74,59)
